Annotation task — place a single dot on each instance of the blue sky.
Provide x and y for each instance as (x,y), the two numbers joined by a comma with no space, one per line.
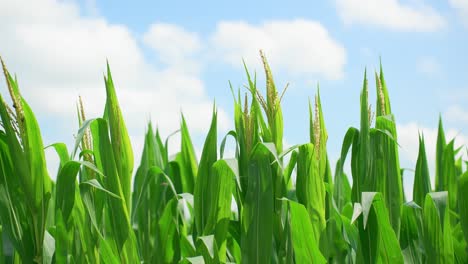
(173,55)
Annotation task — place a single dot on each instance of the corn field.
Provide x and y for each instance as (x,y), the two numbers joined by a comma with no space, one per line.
(266,205)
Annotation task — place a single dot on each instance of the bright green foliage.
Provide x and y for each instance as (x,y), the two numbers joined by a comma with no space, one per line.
(463,203)
(422,182)
(437,229)
(264,205)
(310,188)
(441,144)
(121,146)
(385,154)
(378,242)
(188,161)
(257,215)
(305,249)
(411,233)
(202,200)
(25,188)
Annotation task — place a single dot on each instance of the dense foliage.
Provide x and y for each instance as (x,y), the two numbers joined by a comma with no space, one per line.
(290,206)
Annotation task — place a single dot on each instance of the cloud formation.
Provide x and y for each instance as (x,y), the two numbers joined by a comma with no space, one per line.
(298,46)
(59,54)
(391,14)
(461,6)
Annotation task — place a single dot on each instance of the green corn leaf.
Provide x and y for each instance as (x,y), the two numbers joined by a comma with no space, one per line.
(437,230)
(189,167)
(221,186)
(257,214)
(94,183)
(222,146)
(61,238)
(234,253)
(305,249)
(459,245)
(168,244)
(378,242)
(149,158)
(193,260)
(2,255)
(121,146)
(202,202)
(272,108)
(119,217)
(440,147)
(107,254)
(449,179)
(66,184)
(288,170)
(62,152)
(34,151)
(206,246)
(463,203)
(27,152)
(351,137)
(422,181)
(386,167)
(187,249)
(411,233)
(360,162)
(310,188)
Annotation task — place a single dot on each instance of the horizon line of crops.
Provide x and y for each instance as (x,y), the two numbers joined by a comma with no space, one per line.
(179,209)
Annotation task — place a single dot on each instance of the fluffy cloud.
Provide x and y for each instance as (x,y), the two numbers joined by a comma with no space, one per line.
(59,54)
(297,47)
(390,14)
(457,114)
(174,45)
(462,8)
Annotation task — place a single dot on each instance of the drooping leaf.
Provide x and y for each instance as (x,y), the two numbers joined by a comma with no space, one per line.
(437,230)
(378,242)
(411,233)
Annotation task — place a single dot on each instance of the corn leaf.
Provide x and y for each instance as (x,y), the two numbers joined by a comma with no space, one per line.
(437,230)
(422,181)
(257,214)
(121,146)
(202,199)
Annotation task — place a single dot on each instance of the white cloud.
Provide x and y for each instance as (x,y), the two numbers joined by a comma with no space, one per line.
(173,43)
(457,114)
(390,14)
(428,65)
(297,46)
(462,8)
(91,7)
(59,54)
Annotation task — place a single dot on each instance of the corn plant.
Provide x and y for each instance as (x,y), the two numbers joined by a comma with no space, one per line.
(267,204)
